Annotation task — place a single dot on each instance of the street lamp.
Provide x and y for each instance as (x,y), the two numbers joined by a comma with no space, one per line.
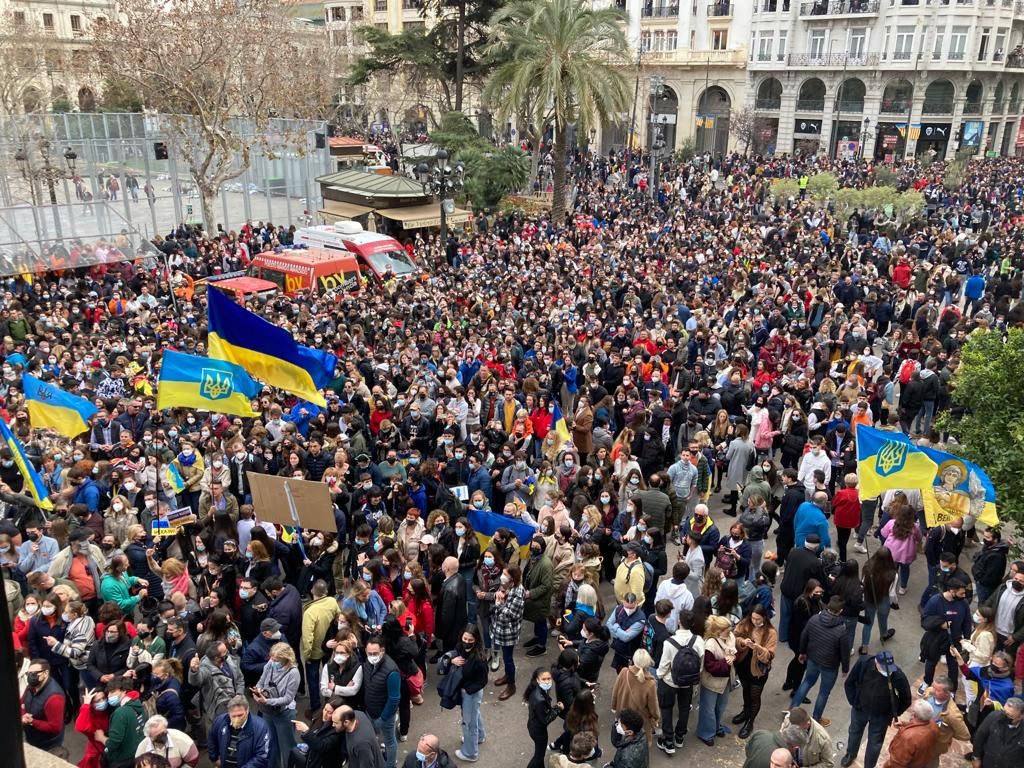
(865,134)
(441,181)
(44,170)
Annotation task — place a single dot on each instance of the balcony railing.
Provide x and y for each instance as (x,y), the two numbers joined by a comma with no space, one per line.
(773,6)
(412,5)
(810,105)
(838,7)
(833,60)
(956,56)
(1014,107)
(380,5)
(767,103)
(851,106)
(901,56)
(972,108)
(1015,60)
(997,106)
(660,11)
(937,108)
(896,107)
(719,9)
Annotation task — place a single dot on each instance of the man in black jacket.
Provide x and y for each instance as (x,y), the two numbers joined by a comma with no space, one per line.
(947,539)
(792,498)
(824,647)
(803,564)
(990,564)
(451,605)
(433,756)
(999,742)
(878,692)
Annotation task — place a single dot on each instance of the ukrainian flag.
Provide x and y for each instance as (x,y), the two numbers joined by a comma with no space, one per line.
(174,479)
(50,406)
(267,352)
(486,524)
(187,381)
(33,482)
(959,488)
(889,461)
(559,426)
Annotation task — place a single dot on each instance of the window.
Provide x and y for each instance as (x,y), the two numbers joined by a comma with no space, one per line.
(381,25)
(1000,44)
(764,46)
(76,25)
(357,13)
(983,41)
(781,55)
(719,39)
(337,14)
(659,41)
(52,58)
(817,44)
(940,34)
(958,42)
(380,5)
(19,18)
(693,39)
(48,22)
(671,40)
(645,41)
(858,42)
(904,43)
(415,25)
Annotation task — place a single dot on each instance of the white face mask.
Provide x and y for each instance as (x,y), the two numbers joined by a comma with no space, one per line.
(31,609)
(619,729)
(374,660)
(340,658)
(117,506)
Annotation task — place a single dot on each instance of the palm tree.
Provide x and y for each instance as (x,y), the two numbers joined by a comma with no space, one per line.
(562,66)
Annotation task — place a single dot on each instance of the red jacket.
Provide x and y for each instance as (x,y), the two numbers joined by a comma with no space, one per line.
(846,508)
(423,616)
(89,721)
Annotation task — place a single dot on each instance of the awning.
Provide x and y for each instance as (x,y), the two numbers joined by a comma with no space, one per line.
(416,216)
(339,210)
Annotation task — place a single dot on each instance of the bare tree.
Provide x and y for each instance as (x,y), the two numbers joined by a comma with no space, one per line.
(221,70)
(20,62)
(747,126)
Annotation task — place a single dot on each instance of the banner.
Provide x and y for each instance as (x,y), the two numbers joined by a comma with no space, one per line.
(959,488)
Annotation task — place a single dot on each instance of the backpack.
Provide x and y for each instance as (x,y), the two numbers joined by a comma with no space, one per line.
(907,369)
(647,573)
(686,664)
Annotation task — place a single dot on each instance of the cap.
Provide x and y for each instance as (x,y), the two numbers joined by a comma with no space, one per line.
(363,457)
(634,547)
(813,538)
(80,534)
(427,539)
(270,625)
(886,662)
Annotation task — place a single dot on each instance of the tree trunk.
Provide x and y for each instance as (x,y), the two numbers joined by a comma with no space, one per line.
(560,159)
(460,56)
(207,193)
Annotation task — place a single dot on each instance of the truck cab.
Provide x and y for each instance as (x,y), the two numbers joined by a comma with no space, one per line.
(378,254)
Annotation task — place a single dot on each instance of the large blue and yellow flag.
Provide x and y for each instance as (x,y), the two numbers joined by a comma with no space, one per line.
(559,426)
(187,381)
(487,523)
(958,488)
(267,352)
(50,406)
(33,482)
(889,461)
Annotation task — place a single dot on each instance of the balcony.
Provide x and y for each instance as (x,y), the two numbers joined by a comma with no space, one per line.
(895,107)
(838,7)
(1014,107)
(379,6)
(688,57)
(660,11)
(972,108)
(810,105)
(412,5)
(768,104)
(836,60)
(1015,60)
(773,6)
(937,108)
(720,9)
(902,56)
(851,106)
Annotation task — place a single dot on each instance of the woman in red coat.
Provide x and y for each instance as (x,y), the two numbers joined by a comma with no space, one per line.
(93,716)
(22,619)
(846,511)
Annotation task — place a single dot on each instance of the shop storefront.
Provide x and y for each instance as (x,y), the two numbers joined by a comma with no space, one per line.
(890,145)
(806,136)
(934,139)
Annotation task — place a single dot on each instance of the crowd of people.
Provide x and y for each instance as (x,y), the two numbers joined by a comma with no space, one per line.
(695,521)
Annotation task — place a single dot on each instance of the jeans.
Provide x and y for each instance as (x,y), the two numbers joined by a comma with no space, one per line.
(924,417)
(785,613)
(876,725)
(281,723)
(756,553)
(467,577)
(904,571)
(313,683)
(711,712)
(668,699)
(472,723)
(508,657)
(867,517)
(386,728)
(851,629)
(540,632)
(828,679)
(870,612)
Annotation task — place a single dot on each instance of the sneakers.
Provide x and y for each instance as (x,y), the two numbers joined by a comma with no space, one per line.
(537,650)
(463,758)
(902,590)
(921,689)
(860,548)
(495,663)
(403,737)
(668,747)
(847,761)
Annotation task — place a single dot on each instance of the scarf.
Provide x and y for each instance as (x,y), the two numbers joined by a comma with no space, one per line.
(187,461)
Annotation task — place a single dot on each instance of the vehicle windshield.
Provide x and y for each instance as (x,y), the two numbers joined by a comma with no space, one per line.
(396,261)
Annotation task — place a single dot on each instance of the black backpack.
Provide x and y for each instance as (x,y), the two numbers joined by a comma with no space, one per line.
(686,664)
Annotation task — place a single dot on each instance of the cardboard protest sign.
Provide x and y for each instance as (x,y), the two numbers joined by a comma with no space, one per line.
(312,501)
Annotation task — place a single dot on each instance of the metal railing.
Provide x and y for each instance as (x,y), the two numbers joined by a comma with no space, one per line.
(833,60)
(1015,61)
(972,108)
(997,106)
(719,9)
(956,56)
(937,107)
(838,7)
(902,56)
(661,11)
(851,106)
(811,105)
(773,6)
(767,103)
(897,107)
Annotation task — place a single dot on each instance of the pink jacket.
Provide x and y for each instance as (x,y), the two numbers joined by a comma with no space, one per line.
(903,550)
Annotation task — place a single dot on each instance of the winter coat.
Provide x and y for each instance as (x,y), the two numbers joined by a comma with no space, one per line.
(109,658)
(287,609)
(634,753)
(951,726)
(256,743)
(990,564)
(317,617)
(507,618)
(538,580)
(87,723)
(996,744)
(824,641)
(115,590)
(913,745)
(216,687)
(641,696)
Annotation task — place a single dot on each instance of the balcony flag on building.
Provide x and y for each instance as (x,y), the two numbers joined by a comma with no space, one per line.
(705,121)
(915,130)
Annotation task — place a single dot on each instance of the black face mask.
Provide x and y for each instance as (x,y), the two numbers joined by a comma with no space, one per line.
(34,678)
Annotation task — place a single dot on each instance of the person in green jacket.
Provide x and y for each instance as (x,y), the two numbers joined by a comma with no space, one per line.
(538,578)
(115,586)
(125,731)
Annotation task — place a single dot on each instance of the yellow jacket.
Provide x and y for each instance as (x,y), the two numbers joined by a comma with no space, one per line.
(316,620)
(630,577)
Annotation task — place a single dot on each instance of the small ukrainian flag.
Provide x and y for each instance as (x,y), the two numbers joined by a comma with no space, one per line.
(50,406)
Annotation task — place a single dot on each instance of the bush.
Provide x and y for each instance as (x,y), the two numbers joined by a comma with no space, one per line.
(685,152)
(885,177)
(784,189)
(822,186)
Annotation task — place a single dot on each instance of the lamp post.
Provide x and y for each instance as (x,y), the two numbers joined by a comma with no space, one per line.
(440,181)
(865,134)
(657,89)
(36,165)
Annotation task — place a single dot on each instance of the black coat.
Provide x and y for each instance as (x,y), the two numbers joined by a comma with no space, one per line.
(541,711)
(990,564)
(450,620)
(326,747)
(801,566)
(997,745)
(592,655)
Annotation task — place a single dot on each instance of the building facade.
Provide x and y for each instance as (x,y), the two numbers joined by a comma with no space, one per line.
(886,78)
(48,42)
(689,74)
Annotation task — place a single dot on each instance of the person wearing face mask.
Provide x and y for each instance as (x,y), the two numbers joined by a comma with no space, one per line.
(469,657)
(93,716)
(108,657)
(1008,603)
(37,551)
(630,741)
(409,533)
(810,518)
(518,481)
(541,713)
(318,615)
(217,679)
(479,480)
(174,745)
(998,742)
(119,518)
(428,754)
(42,718)
(342,675)
(191,466)
(275,694)
(239,737)
(947,538)
(126,721)
(815,459)
(381,695)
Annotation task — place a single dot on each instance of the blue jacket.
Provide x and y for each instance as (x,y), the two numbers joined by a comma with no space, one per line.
(467,371)
(256,654)
(374,609)
(810,519)
(287,609)
(480,481)
(88,493)
(257,745)
(302,422)
(170,705)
